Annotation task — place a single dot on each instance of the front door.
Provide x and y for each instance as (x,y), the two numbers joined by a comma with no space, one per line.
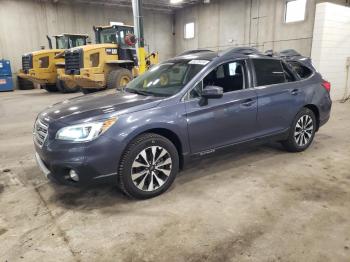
(226,120)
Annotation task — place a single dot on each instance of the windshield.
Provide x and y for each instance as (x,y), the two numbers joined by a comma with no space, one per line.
(75,41)
(164,79)
(65,42)
(109,35)
(62,42)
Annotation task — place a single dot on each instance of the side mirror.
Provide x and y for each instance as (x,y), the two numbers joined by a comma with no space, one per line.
(210,92)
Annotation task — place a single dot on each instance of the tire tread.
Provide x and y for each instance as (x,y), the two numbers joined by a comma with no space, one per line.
(127,152)
(289,143)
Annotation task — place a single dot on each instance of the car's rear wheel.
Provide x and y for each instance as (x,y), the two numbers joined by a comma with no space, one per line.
(302,131)
(148,167)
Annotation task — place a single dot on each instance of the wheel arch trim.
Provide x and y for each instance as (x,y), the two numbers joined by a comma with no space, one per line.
(168,132)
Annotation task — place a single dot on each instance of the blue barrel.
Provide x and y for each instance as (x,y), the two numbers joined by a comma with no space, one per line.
(6,82)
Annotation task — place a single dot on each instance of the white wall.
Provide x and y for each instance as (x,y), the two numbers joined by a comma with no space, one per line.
(258,23)
(331,45)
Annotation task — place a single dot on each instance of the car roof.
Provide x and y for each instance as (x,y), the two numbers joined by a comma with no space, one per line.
(205,55)
(231,53)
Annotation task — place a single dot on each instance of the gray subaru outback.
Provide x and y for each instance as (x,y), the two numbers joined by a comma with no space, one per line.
(189,106)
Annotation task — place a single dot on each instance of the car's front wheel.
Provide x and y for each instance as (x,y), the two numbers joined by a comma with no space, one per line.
(302,131)
(148,166)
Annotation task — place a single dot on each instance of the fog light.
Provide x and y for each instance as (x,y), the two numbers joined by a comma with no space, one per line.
(73,175)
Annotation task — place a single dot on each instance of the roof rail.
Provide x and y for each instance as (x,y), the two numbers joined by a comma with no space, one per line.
(241,50)
(289,53)
(194,51)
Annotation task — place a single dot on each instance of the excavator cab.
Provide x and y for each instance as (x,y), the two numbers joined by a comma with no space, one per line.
(66,41)
(121,35)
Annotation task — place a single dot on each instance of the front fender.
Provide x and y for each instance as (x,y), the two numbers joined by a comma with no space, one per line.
(169,119)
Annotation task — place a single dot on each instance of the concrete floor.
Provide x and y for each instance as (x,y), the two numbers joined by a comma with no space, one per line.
(256,204)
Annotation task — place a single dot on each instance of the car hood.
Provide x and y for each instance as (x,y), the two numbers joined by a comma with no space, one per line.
(97,105)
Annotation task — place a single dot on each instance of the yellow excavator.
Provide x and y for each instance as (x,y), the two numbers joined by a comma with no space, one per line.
(40,67)
(110,63)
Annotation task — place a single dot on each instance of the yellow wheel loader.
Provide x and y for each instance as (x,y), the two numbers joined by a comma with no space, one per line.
(40,67)
(110,63)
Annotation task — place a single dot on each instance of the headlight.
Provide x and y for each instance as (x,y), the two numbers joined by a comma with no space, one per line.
(85,132)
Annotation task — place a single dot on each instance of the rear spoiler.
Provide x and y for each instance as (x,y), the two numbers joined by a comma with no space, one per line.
(290,55)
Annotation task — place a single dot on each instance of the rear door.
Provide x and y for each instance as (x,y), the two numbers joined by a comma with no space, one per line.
(280,95)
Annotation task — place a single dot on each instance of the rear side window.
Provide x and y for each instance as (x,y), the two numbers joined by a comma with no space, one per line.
(268,72)
(302,71)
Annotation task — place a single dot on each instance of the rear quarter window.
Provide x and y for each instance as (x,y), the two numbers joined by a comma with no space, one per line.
(302,71)
(268,72)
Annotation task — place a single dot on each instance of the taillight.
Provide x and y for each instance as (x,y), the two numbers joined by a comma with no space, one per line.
(326,85)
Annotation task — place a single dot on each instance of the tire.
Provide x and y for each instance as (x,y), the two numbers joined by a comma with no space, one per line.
(118,78)
(24,84)
(133,164)
(87,91)
(302,131)
(63,87)
(50,88)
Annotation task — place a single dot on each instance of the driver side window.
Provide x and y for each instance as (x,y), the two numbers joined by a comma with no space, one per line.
(229,76)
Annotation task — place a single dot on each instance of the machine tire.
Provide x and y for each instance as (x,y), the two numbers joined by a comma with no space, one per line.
(24,84)
(116,78)
(64,88)
(302,131)
(165,154)
(50,88)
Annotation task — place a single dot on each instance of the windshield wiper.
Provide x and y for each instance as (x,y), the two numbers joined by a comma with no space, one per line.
(139,92)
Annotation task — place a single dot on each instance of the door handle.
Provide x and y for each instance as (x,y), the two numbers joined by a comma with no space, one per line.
(248,102)
(294,92)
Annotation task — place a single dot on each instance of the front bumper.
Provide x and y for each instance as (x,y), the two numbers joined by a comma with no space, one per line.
(42,78)
(90,79)
(94,163)
(42,165)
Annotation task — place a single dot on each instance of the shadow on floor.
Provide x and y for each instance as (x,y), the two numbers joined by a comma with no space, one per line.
(105,196)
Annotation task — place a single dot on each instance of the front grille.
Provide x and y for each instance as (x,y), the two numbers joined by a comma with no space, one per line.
(40,132)
(27,62)
(73,61)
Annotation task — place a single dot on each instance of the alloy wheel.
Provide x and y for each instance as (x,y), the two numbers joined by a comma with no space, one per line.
(151,168)
(303,130)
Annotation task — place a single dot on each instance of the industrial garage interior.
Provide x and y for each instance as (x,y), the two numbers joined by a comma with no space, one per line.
(251,202)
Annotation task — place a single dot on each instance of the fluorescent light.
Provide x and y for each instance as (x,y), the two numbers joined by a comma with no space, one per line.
(175,1)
